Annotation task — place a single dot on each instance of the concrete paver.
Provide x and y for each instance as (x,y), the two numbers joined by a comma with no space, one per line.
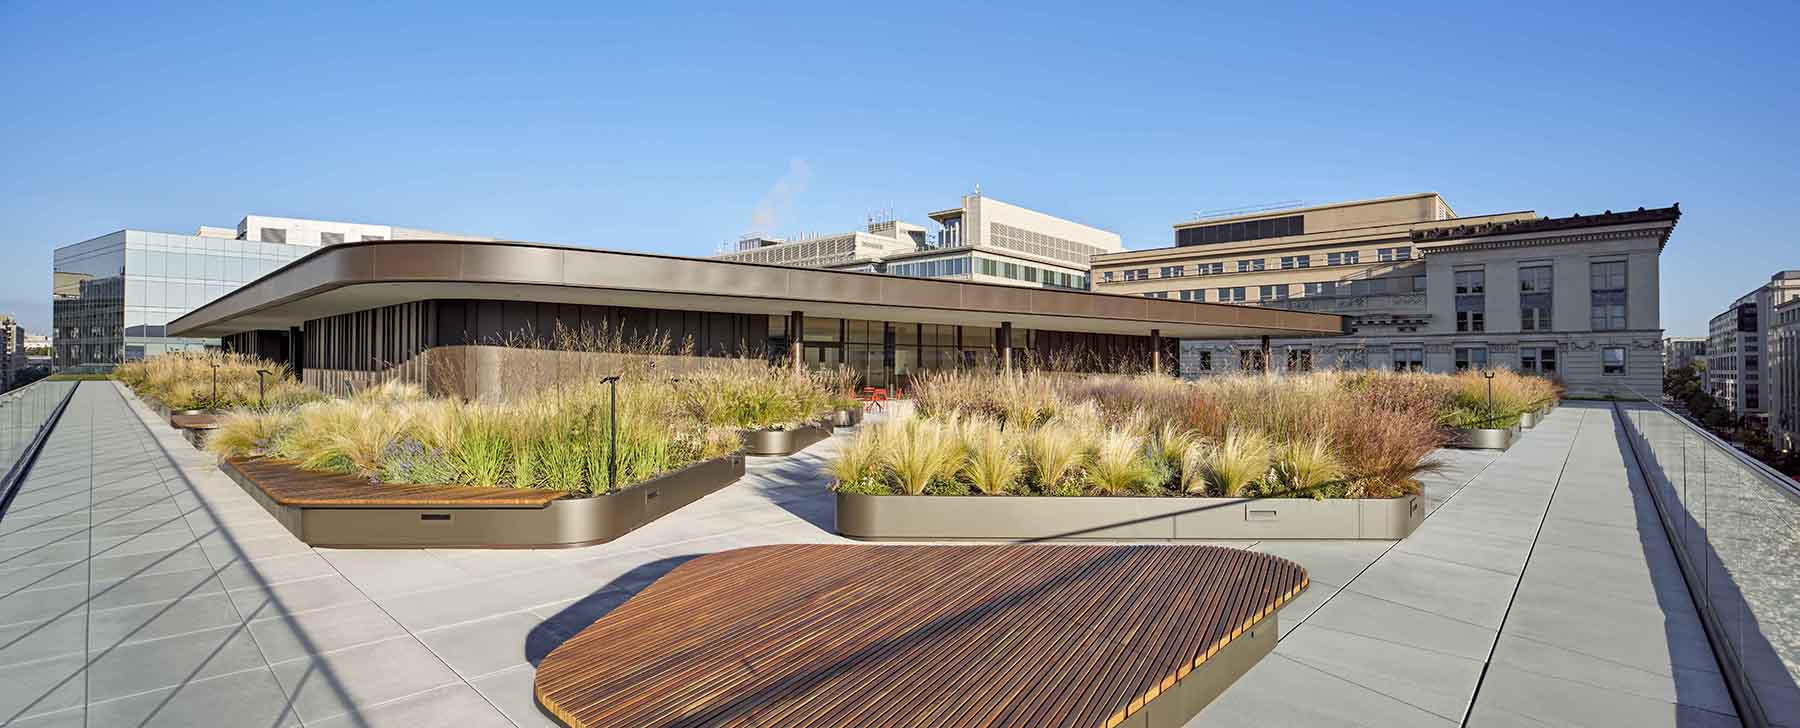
(127,549)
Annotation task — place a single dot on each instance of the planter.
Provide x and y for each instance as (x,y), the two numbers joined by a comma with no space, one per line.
(562,523)
(1030,518)
(1528,420)
(847,417)
(783,442)
(1483,438)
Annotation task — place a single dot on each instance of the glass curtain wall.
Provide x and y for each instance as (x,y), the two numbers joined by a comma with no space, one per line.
(885,354)
(115,295)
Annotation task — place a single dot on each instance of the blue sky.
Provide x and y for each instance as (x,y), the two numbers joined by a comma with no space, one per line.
(669,128)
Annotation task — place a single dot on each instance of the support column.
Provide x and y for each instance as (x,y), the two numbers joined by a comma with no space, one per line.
(1268,358)
(1156,351)
(294,350)
(796,340)
(1006,345)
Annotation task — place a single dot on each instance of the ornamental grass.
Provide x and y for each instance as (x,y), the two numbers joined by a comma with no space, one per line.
(1320,435)
(185,381)
(559,438)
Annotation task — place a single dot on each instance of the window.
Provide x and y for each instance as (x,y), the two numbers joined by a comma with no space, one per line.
(1209,268)
(1245,266)
(1534,298)
(1194,294)
(1471,300)
(1471,357)
(1299,359)
(1538,360)
(1156,294)
(1205,361)
(1231,295)
(1606,283)
(1172,271)
(274,235)
(1296,261)
(1314,289)
(1350,258)
(373,237)
(330,238)
(1250,360)
(1278,292)
(1752,396)
(1231,232)
(1409,358)
(1389,255)
(1612,360)
(1418,284)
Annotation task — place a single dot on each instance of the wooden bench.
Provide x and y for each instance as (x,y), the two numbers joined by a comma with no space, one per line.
(287,485)
(815,635)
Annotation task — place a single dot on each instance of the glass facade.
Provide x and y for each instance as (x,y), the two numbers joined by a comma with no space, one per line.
(114,296)
(885,353)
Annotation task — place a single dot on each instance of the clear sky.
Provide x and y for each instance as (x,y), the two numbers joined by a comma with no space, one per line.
(675,128)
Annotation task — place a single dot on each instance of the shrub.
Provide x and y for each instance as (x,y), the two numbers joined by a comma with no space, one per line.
(1307,465)
(1120,467)
(1054,453)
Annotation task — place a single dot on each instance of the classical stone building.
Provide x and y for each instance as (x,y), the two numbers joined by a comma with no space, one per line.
(1572,297)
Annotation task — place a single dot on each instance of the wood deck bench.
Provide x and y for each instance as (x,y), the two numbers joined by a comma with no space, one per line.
(815,635)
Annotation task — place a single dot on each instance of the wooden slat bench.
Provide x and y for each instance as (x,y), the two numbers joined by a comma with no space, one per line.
(814,635)
(288,485)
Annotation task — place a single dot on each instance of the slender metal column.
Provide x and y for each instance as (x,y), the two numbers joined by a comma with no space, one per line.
(1156,351)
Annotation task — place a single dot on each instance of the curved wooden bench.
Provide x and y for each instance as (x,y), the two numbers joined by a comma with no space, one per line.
(288,485)
(814,635)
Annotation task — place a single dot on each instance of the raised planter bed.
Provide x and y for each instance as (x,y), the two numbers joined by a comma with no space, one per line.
(784,442)
(1528,420)
(846,417)
(343,511)
(1025,518)
(1483,438)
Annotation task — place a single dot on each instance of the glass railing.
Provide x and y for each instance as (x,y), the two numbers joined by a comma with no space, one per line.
(23,413)
(1736,524)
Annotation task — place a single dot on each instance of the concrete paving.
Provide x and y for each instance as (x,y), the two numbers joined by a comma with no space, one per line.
(139,586)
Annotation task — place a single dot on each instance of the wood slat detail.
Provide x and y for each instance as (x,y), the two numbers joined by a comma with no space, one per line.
(194,422)
(817,635)
(288,485)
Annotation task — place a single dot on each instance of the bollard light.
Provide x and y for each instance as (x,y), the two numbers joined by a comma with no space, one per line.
(612,450)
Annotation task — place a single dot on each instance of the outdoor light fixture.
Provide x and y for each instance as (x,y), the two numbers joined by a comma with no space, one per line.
(215,395)
(1489,374)
(612,451)
(261,399)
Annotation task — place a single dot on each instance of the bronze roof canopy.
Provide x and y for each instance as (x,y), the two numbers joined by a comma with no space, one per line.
(360,276)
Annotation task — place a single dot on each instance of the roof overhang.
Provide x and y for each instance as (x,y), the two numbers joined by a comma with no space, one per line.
(359,276)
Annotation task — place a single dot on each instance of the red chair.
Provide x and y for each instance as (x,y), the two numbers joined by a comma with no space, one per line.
(873,397)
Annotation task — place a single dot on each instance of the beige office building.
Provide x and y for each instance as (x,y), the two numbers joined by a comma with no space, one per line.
(983,240)
(1741,357)
(1574,297)
(1784,375)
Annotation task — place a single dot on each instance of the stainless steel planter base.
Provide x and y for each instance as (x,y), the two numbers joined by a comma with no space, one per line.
(561,524)
(1028,518)
(1470,438)
(783,442)
(847,417)
(1528,420)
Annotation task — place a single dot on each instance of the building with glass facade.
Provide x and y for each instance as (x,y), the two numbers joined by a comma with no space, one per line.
(113,296)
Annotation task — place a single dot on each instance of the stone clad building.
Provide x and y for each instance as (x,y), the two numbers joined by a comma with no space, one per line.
(1572,297)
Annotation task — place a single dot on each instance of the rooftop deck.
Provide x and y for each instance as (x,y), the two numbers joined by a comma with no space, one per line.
(139,584)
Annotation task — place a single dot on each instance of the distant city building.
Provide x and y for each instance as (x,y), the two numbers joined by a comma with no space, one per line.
(1572,297)
(1738,365)
(12,351)
(1784,375)
(984,240)
(1681,351)
(113,296)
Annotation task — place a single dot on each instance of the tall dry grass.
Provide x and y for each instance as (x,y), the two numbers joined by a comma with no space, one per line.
(1326,434)
(185,380)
